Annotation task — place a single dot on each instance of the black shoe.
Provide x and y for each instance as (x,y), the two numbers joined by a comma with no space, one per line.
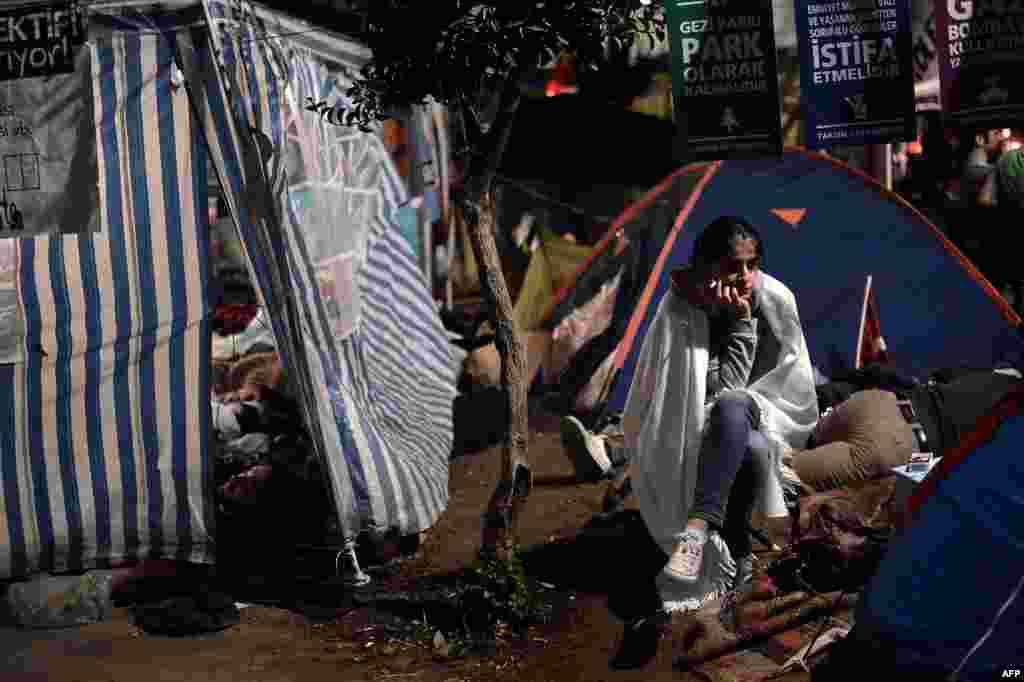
(201,613)
(639,643)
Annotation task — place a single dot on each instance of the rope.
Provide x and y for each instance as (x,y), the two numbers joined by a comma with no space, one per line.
(988,633)
(554,202)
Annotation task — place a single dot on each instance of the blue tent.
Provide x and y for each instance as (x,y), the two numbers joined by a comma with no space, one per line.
(826,228)
(947,596)
(950,583)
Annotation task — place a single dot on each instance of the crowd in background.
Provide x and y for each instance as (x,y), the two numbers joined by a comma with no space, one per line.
(970,183)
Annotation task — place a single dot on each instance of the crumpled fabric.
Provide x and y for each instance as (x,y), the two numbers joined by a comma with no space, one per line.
(251,444)
(666,410)
(228,419)
(579,327)
(257,332)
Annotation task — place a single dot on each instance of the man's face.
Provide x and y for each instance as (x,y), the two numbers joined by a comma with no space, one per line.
(739,268)
(994,139)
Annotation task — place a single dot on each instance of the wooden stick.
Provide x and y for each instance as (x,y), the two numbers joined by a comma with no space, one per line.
(704,650)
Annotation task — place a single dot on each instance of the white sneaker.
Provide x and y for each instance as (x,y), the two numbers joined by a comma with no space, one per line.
(587,451)
(685,563)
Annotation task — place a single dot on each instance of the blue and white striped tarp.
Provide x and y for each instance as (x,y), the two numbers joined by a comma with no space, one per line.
(104,425)
(380,399)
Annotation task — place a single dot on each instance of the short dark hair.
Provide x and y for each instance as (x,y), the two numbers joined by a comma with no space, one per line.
(716,241)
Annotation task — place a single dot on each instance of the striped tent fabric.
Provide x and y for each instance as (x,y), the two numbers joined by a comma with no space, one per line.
(378,400)
(104,425)
(396,377)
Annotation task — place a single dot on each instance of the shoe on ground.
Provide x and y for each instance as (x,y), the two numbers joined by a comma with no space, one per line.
(685,563)
(587,452)
(639,643)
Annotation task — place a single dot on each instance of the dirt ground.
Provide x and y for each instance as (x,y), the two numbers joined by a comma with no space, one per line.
(277,645)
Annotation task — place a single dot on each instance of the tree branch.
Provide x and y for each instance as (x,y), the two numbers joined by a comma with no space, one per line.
(484,165)
(471,122)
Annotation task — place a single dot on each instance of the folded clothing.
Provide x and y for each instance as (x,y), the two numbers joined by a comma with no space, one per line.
(249,444)
(242,453)
(233,420)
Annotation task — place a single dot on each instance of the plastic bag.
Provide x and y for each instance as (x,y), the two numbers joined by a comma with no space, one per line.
(50,602)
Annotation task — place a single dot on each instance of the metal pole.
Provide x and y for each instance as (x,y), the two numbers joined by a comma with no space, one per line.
(880,163)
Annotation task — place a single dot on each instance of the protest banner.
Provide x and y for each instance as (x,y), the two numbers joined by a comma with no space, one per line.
(925,54)
(724,78)
(981,54)
(857,76)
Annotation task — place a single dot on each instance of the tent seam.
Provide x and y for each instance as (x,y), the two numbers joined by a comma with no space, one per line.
(640,311)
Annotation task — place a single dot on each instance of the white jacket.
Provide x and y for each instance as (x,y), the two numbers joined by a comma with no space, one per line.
(665,412)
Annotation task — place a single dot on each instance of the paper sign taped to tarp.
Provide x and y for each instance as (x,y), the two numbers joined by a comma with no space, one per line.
(40,40)
(339,289)
(49,181)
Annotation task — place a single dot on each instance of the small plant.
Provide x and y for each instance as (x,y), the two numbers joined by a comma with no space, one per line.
(492,596)
(501,591)
(444,647)
(421,630)
(457,648)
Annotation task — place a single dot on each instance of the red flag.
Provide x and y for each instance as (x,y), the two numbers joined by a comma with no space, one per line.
(870,343)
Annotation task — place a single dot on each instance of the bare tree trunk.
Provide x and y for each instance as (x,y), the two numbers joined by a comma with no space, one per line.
(499,532)
(478,209)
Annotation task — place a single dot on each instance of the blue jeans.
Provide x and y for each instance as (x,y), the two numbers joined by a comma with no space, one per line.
(733,456)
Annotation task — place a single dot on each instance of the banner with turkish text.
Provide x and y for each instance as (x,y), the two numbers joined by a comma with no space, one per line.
(981,57)
(724,78)
(856,71)
(49,182)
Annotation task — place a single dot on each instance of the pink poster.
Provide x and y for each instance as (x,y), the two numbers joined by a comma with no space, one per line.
(340,292)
